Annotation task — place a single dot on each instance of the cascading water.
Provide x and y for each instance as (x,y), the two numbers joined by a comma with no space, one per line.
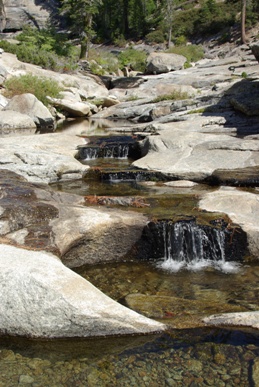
(120,151)
(185,244)
(117,147)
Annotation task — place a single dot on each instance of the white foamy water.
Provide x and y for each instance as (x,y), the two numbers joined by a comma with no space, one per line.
(173,266)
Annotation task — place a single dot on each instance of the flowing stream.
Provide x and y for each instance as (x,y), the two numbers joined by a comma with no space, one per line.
(189,274)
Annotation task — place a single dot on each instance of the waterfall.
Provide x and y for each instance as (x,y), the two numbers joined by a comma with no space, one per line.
(188,245)
(89,153)
(119,151)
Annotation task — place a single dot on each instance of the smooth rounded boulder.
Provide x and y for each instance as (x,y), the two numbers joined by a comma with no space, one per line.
(28,104)
(42,298)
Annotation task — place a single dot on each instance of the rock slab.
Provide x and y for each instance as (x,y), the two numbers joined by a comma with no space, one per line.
(43,298)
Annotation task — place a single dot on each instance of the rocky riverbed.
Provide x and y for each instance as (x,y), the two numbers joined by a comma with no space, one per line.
(210,136)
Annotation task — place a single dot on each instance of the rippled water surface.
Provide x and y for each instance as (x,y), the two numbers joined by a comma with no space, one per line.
(188,354)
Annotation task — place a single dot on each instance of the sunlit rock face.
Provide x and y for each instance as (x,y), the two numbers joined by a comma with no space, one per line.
(15,13)
(43,298)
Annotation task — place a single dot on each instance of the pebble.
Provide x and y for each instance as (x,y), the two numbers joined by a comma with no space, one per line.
(178,368)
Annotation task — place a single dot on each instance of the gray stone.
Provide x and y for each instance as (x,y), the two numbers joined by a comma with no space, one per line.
(255,50)
(77,233)
(28,104)
(187,151)
(45,159)
(25,379)
(241,207)
(11,121)
(43,298)
(243,319)
(16,13)
(87,85)
(72,108)
(158,63)
(181,184)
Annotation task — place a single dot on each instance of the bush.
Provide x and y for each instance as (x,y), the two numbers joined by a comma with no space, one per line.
(46,59)
(192,52)
(155,37)
(101,62)
(135,59)
(28,83)
(43,48)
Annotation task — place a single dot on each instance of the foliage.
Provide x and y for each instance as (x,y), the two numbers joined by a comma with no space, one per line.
(80,14)
(133,58)
(102,62)
(191,52)
(175,95)
(39,86)
(43,48)
(46,40)
(156,36)
(214,17)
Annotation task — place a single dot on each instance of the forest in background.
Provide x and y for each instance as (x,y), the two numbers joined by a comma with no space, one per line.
(176,25)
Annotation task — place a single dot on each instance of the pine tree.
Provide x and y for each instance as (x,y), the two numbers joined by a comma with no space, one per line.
(81,13)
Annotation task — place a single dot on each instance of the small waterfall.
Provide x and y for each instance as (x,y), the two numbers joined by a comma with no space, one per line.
(185,244)
(89,153)
(119,151)
(117,147)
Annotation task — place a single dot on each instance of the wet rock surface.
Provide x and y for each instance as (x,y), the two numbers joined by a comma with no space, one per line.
(35,217)
(182,313)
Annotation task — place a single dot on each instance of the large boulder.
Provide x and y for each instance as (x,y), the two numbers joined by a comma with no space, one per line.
(73,108)
(186,150)
(255,50)
(40,297)
(158,63)
(11,122)
(14,14)
(28,104)
(242,208)
(47,158)
(87,85)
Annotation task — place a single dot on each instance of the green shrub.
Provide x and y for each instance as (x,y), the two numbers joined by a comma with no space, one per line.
(102,62)
(28,83)
(192,52)
(133,58)
(175,95)
(180,40)
(155,37)
(44,48)
(46,59)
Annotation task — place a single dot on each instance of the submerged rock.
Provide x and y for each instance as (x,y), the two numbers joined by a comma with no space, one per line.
(247,319)
(42,298)
(182,313)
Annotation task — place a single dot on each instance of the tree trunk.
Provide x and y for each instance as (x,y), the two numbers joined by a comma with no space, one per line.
(243,21)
